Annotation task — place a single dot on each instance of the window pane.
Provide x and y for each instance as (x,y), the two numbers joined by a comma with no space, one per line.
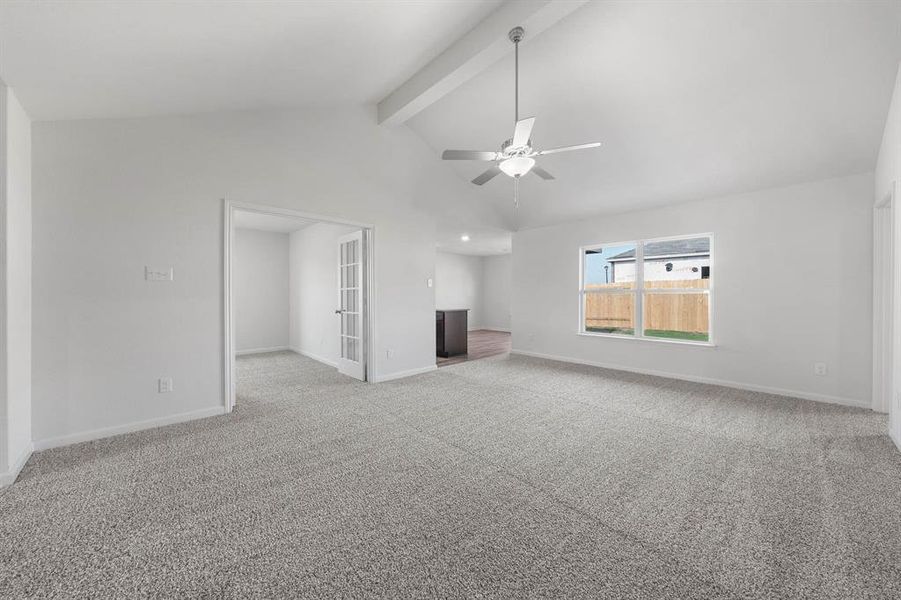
(677,316)
(609,313)
(610,267)
(677,263)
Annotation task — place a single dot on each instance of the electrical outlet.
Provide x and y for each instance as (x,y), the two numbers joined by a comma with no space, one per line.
(819,368)
(165,385)
(159,274)
(429,282)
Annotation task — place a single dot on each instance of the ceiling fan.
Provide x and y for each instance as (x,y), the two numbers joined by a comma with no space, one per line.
(517,156)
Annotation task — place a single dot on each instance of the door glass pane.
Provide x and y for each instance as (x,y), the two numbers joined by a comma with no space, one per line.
(349,324)
(681,263)
(609,313)
(677,316)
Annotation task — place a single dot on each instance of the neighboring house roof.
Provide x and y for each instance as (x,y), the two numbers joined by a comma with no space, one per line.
(668,248)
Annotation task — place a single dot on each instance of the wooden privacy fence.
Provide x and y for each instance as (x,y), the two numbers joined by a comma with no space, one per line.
(668,312)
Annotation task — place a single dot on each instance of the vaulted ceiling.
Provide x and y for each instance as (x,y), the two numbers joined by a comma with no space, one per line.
(691,99)
(123,58)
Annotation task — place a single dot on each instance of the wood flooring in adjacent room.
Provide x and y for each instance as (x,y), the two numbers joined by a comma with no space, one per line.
(482,344)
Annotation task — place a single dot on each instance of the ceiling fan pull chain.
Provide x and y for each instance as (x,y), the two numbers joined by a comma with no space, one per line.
(516,192)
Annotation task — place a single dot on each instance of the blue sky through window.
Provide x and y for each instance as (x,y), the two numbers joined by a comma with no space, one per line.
(595,263)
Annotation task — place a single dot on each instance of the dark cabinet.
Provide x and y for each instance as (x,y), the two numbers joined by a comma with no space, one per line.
(450,332)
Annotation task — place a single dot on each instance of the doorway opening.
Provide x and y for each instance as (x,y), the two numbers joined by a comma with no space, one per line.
(296,298)
(473,288)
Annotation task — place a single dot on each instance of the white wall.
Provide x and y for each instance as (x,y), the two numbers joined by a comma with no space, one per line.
(792,274)
(15,286)
(497,273)
(260,290)
(111,196)
(458,284)
(314,291)
(888,173)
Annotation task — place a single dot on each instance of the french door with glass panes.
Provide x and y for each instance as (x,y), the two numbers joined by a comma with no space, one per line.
(350,305)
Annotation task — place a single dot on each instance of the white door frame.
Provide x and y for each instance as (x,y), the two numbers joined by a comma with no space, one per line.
(884,284)
(228,324)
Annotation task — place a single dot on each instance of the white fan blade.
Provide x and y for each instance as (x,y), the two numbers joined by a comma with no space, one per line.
(487,176)
(541,173)
(568,148)
(523,132)
(468,155)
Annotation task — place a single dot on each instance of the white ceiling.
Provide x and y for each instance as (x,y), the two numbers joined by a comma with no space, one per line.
(263,222)
(483,241)
(119,58)
(691,99)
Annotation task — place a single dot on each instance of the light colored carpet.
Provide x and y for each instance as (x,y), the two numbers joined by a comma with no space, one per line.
(507,477)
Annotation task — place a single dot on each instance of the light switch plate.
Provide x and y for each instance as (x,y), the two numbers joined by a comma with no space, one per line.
(159,274)
(165,385)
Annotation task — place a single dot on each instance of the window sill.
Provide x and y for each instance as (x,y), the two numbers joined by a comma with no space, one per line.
(647,339)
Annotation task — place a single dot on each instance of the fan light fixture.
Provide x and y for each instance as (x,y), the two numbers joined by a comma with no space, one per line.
(517,166)
(516,156)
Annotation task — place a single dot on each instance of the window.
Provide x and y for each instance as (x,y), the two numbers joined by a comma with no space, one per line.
(650,289)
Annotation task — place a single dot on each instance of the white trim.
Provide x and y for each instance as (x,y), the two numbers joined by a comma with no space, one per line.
(648,338)
(403,374)
(261,350)
(315,357)
(228,333)
(9,477)
(501,329)
(105,432)
(708,380)
(289,212)
(883,308)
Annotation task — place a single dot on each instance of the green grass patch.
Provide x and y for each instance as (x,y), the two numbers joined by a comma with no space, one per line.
(614,330)
(694,336)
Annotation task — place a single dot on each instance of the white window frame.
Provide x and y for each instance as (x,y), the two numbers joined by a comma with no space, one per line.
(639,291)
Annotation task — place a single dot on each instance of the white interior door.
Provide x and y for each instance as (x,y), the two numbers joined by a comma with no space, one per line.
(350,305)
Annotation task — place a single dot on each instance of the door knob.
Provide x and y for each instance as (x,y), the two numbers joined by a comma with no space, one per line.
(339,311)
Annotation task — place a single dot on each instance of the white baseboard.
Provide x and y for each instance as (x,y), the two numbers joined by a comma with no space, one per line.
(402,374)
(895,437)
(261,350)
(315,357)
(709,380)
(9,477)
(96,434)
(501,329)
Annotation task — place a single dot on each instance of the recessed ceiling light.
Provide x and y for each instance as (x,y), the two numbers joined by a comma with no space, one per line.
(464,238)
